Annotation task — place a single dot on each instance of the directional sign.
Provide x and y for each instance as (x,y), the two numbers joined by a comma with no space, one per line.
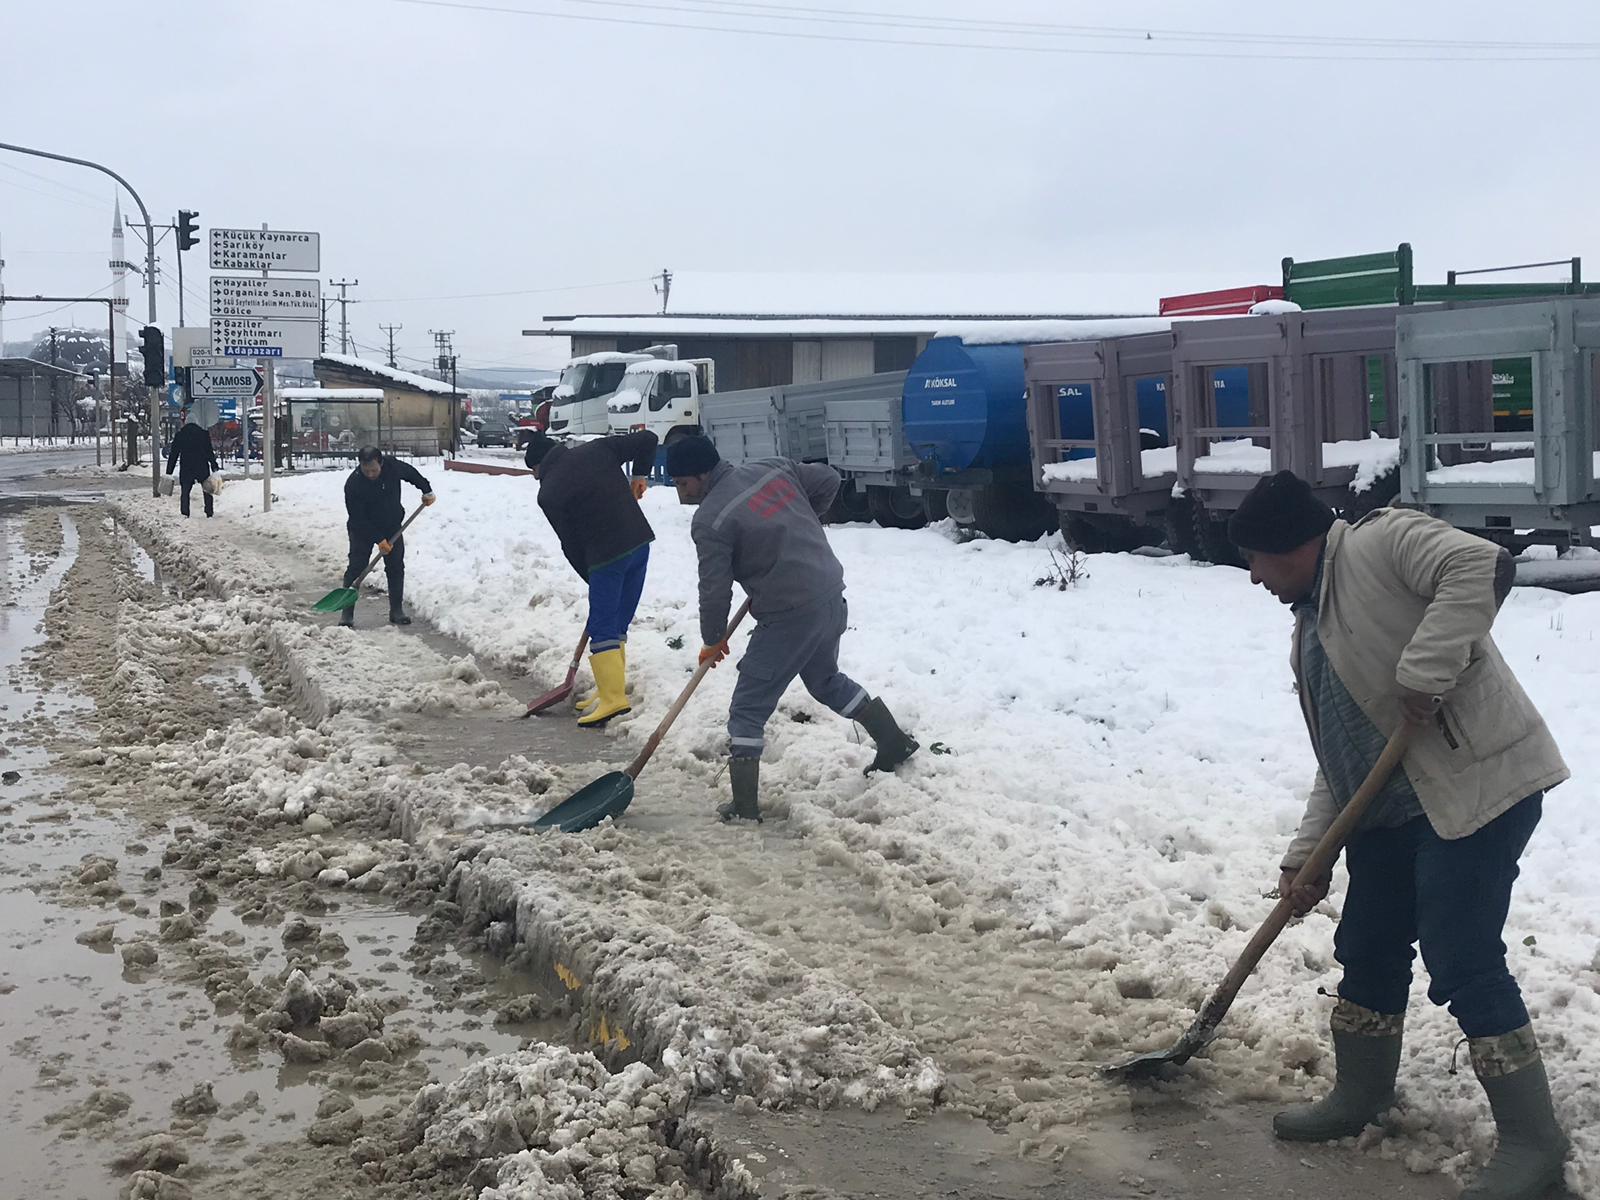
(198,358)
(264,337)
(246,296)
(218,381)
(265,250)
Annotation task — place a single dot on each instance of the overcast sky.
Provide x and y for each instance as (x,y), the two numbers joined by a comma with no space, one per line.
(444,151)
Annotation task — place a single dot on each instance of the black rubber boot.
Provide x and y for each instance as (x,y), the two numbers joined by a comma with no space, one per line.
(1528,1157)
(894,745)
(1366,1053)
(745,775)
(347,617)
(397,605)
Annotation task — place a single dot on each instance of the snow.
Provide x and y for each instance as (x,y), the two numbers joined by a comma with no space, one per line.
(405,379)
(1163,460)
(1273,308)
(330,393)
(1372,458)
(625,399)
(1505,471)
(603,356)
(660,366)
(995,333)
(1126,763)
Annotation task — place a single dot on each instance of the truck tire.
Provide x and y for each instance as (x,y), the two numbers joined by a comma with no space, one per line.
(896,508)
(1094,533)
(1010,514)
(1180,527)
(1383,492)
(937,505)
(1081,534)
(848,506)
(1211,536)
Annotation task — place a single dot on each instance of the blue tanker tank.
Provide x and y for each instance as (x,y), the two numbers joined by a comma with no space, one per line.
(963,407)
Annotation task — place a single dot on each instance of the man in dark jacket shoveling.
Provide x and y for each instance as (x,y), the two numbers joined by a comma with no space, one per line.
(1390,614)
(374,513)
(196,459)
(594,510)
(759,525)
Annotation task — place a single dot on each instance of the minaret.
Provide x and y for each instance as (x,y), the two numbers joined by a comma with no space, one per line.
(119,279)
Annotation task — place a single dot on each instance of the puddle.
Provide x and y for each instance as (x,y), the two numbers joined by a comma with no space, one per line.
(236,676)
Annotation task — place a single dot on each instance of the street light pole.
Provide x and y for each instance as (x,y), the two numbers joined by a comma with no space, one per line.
(149,283)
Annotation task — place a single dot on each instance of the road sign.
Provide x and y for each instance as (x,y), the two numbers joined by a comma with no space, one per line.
(247,296)
(264,337)
(265,250)
(220,381)
(199,358)
(175,396)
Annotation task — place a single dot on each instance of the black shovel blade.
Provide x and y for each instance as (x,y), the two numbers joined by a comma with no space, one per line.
(1147,1066)
(606,797)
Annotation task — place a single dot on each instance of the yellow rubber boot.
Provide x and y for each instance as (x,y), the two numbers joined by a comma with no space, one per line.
(586,703)
(610,677)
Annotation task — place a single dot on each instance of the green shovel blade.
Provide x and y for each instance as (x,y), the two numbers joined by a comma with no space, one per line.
(337,599)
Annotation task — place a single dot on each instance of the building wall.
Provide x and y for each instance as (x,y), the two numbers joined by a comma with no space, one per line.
(847,358)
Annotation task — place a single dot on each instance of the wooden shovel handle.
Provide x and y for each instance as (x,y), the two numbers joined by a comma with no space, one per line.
(1320,862)
(377,558)
(577,655)
(650,746)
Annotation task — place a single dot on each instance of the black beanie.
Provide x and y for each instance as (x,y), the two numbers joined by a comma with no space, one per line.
(538,446)
(1280,513)
(691,456)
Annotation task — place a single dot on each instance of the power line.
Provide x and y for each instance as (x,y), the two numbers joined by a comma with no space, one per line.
(1146,48)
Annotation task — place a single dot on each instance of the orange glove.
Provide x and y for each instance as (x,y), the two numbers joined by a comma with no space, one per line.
(385,546)
(713,654)
(640,486)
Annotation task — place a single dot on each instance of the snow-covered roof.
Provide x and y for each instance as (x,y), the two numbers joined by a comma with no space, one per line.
(319,393)
(994,333)
(604,356)
(776,325)
(405,379)
(660,366)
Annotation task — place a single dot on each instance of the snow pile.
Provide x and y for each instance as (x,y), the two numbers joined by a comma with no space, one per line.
(625,400)
(1273,308)
(566,1128)
(1372,457)
(1153,464)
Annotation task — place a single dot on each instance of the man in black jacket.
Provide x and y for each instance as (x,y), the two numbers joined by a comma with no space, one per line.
(192,450)
(375,513)
(595,512)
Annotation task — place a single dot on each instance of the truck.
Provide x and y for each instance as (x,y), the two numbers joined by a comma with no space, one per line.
(578,405)
(665,396)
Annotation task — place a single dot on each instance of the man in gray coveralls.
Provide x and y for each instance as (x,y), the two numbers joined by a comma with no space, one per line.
(760,525)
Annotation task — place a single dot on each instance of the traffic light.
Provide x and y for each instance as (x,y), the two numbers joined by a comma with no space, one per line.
(154,350)
(188,238)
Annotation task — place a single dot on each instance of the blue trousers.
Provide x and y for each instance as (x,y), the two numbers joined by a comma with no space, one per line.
(1409,885)
(614,592)
(803,642)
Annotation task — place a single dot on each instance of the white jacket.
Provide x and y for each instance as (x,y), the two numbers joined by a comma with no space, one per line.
(1407,602)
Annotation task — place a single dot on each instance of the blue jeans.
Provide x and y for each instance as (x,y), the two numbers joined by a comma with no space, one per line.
(803,642)
(614,592)
(1409,885)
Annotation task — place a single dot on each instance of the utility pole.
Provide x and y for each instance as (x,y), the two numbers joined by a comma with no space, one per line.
(55,361)
(2,300)
(446,361)
(391,330)
(344,303)
(664,288)
(149,281)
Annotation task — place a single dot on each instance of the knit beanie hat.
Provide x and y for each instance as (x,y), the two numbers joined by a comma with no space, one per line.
(691,456)
(1280,513)
(538,446)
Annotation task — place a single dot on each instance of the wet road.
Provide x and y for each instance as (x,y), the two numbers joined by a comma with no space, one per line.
(32,464)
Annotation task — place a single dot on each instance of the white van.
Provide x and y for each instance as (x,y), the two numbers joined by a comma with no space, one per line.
(663,397)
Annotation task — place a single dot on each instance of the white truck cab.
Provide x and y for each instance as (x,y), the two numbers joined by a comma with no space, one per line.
(578,406)
(662,396)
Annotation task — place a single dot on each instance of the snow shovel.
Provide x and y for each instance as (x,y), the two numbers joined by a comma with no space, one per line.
(611,793)
(557,694)
(344,597)
(1204,1028)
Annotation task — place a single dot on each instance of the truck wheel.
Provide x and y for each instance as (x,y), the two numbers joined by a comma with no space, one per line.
(1211,535)
(1081,534)
(1009,514)
(849,505)
(937,506)
(896,508)
(1180,527)
(1383,492)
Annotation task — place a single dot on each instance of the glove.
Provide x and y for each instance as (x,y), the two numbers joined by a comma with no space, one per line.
(713,654)
(640,486)
(385,546)
(427,501)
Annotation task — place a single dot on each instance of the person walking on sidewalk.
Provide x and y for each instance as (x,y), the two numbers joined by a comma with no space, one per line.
(1391,613)
(760,525)
(196,459)
(594,509)
(374,513)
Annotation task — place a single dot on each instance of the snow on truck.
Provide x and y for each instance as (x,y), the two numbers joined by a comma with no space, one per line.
(664,396)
